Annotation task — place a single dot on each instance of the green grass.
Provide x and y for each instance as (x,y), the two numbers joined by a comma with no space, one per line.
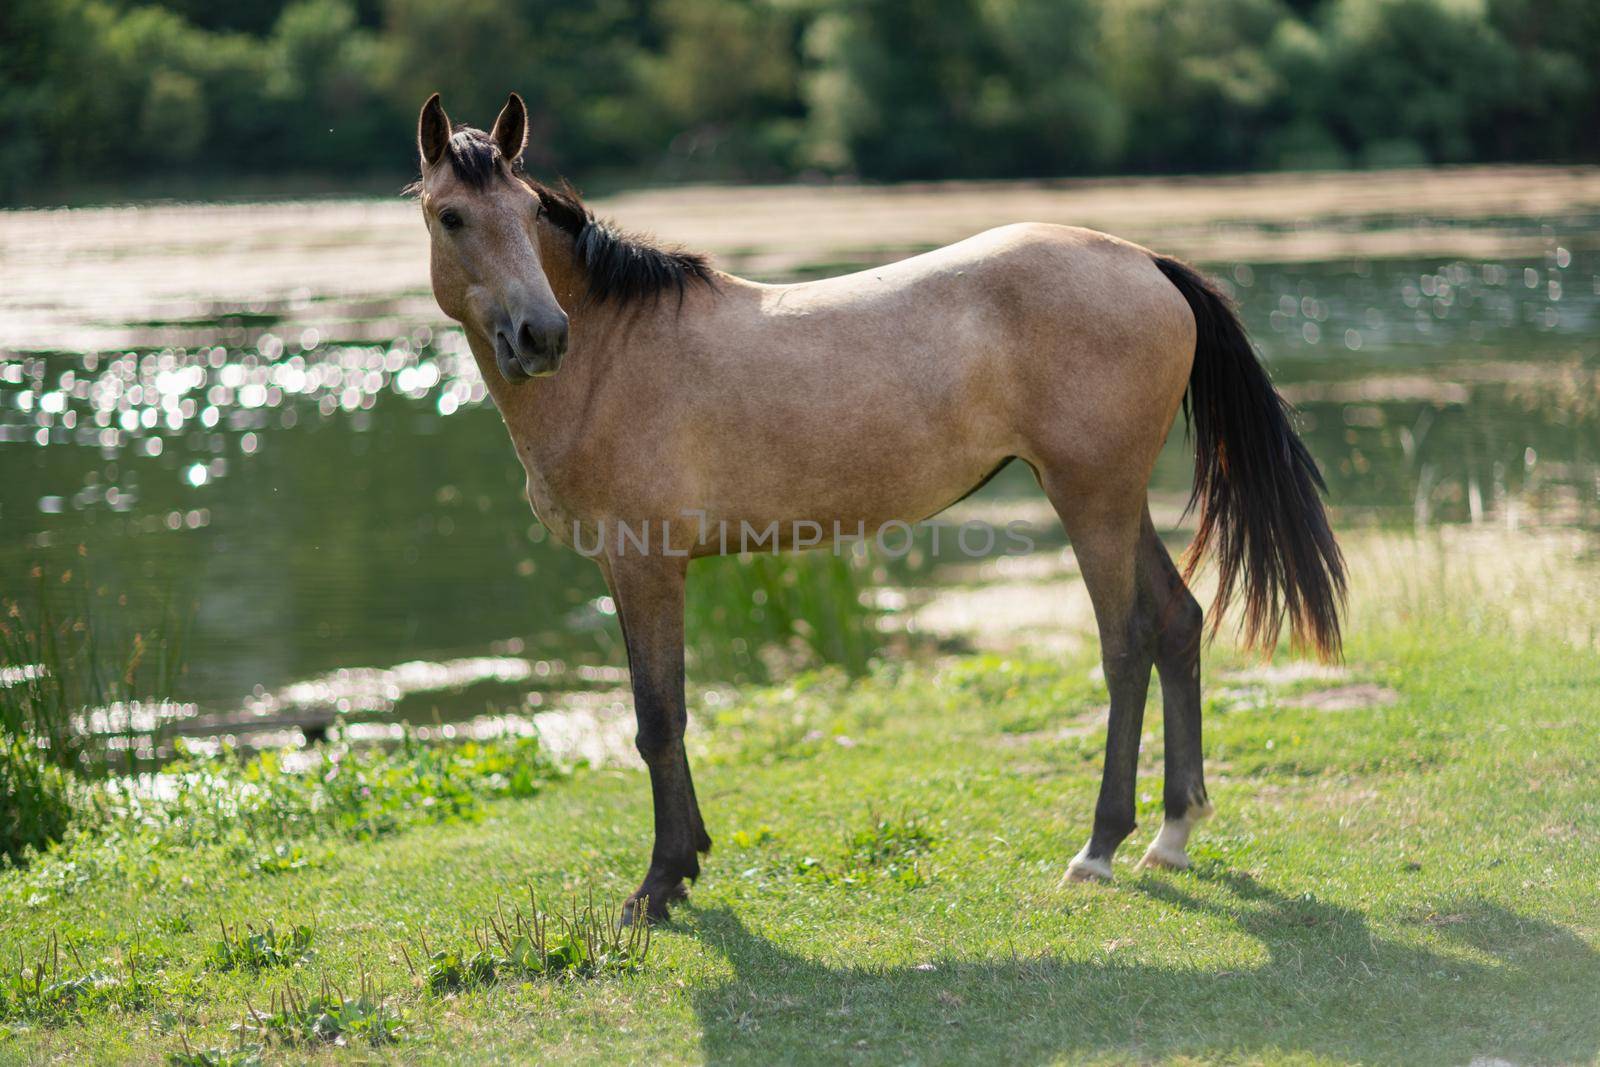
(1415,882)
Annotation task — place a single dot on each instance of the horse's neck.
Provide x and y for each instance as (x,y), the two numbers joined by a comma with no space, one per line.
(559,259)
(543,414)
(597,332)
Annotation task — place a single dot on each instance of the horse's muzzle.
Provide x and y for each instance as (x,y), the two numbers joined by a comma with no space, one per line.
(530,348)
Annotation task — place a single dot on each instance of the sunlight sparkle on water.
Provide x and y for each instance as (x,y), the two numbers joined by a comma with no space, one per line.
(152,400)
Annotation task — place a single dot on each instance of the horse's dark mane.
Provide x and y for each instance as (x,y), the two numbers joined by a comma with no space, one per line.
(619,266)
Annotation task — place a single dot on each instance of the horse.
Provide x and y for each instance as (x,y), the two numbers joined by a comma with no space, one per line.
(690,401)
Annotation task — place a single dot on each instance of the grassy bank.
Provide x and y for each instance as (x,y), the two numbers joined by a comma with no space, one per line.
(1402,869)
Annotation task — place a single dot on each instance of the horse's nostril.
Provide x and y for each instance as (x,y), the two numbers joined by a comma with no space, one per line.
(527,341)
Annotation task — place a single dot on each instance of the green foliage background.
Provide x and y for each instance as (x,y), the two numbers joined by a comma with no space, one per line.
(103,95)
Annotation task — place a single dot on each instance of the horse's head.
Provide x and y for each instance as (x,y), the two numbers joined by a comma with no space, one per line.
(482,219)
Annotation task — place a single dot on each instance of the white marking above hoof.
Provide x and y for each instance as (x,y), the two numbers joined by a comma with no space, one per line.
(1159,859)
(1084,869)
(1170,850)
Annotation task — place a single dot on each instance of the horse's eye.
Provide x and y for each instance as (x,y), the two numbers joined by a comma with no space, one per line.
(449,219)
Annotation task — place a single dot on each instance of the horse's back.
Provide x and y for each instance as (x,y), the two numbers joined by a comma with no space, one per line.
(1027,278)
(1069,339)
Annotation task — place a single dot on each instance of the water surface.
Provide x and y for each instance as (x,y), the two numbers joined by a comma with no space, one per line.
(325,481)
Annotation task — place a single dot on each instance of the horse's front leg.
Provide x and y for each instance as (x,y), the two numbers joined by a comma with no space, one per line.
(649,594)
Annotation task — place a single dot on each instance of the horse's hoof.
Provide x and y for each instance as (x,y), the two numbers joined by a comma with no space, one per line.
(1158,858)
(1083,868)
(637,907)
(656,903)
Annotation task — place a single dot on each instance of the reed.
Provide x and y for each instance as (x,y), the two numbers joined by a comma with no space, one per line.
(78,682)
(757,617)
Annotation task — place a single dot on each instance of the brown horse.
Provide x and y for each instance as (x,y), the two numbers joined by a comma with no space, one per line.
(690,402)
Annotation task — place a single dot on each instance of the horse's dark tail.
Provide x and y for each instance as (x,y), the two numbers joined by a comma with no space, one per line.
(1257,488)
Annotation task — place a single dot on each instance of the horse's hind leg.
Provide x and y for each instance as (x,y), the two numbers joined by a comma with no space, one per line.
(1179,626)
(1105,529)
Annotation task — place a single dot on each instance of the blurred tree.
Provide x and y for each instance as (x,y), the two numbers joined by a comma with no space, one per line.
(33,38)
(897,85)
(726,86)
(321,75)
(1555,111)
(244,16)
(1414,81)
(1047,105)
(575,65)
(1196,78)
(172,120)
(472,50)
(100,91)
(1296,134)
(910,89)
(142,89)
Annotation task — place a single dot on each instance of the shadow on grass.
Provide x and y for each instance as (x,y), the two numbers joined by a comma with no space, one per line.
(1509,986)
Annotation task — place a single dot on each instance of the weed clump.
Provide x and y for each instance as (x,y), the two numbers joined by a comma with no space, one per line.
(517,945)
(887,851)
(47,991)
(328,1017)
(257,950)
(239,1056)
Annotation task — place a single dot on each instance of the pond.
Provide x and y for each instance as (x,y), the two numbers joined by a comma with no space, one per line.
(328,486)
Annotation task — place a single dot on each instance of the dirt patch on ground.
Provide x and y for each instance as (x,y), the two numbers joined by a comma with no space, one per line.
(1079,726)
(1320,794)
(1285,674)
(1254,688)
(1357,697)
(1046,615)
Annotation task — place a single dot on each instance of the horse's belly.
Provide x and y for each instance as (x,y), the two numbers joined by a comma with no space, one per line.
(821,507)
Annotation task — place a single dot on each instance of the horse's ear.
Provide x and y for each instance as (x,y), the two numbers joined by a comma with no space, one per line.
(511,129)
(433,131)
